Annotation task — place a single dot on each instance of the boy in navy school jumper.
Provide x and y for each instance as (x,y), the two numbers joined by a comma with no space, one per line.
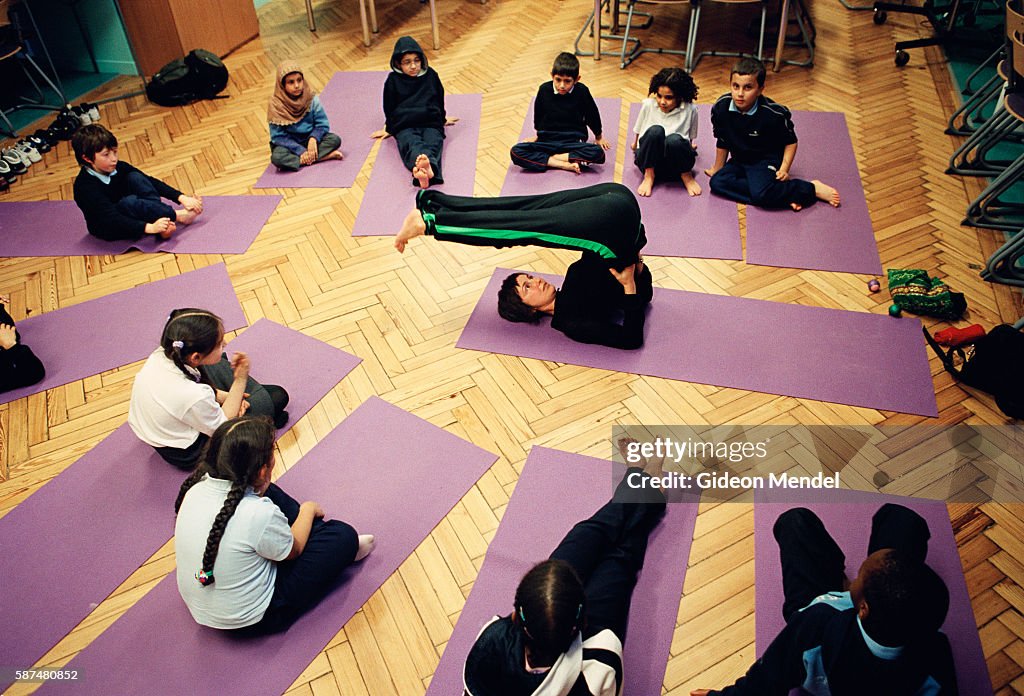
(880,637)
(759,136)
(562,112)
(119,201)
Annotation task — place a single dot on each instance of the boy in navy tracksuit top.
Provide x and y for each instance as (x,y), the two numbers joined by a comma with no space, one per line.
(562,112)
(759,136)
(414,112)
(881,637)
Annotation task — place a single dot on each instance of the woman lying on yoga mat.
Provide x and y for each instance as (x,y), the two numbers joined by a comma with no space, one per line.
(568,623)
(604,294)
(187,388)
(249,556)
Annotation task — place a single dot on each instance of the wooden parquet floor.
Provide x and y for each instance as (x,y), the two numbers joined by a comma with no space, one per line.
(402,314)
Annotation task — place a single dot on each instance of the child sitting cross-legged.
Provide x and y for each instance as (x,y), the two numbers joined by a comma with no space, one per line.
(757,138)
(562,112)
(249,557)
(119,201)
(299,130)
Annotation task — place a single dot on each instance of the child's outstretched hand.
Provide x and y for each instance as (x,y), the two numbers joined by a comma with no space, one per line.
(451,120)
(8,338)
(605,145)
(163,227)
(380,134)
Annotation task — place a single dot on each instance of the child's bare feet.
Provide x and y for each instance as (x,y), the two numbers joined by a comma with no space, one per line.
(163,227)
(422,171)
(413,226)
(691,185)
(185,217)
(367,543)
(336,155)
(826,193)
(646,186)
(652,466)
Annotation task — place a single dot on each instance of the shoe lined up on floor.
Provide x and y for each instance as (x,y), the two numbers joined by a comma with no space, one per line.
(17,158)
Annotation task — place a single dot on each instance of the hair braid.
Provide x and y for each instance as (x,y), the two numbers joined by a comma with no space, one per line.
(235,496)
(194,478)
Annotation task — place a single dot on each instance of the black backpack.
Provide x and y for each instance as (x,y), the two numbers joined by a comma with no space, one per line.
(994,366)
(199,75)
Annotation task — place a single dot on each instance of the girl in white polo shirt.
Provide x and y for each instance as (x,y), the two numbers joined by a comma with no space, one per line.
(249,556)
(187,388)
(665,131)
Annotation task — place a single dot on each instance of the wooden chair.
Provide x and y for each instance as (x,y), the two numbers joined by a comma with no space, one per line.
(630,53)
(692,57)
(311,20)
(12,48)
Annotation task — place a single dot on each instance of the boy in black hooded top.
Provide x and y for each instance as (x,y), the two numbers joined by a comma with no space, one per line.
(414,112)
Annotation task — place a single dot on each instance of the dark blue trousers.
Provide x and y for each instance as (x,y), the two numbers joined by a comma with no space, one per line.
(607,551)
(413,142)
(669,155)
(301,583)
(755,184)
(812,562)
(533,157)
(144,203)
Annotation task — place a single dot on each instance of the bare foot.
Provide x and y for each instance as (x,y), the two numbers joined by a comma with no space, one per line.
(185,217)
(826,193)
(796,207)
(413,226)
(336,155)
(645,187)
(652,466)
(421,177)
(167,233)
(564,165)
(367,543)
(423,162)
(691,185)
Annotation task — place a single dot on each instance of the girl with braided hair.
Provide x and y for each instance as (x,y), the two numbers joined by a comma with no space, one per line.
(249,557)
(568,622)
(188,387)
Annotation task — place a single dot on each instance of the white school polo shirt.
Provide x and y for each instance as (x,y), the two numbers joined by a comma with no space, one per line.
(244,572)
(682,119)
(167,408)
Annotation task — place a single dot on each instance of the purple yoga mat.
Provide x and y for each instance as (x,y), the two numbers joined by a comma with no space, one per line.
(820,237)
(112,509)
(519,182)
(75,342)
(807,352)
(228,225)
(352,102)
(677,224)
(390,194)
(847,516)
(384,471)
(538,516)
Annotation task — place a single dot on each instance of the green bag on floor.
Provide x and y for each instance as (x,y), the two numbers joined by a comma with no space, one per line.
(913,291)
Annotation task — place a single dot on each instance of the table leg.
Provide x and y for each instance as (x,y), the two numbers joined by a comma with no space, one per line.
(780,44)
(597,29)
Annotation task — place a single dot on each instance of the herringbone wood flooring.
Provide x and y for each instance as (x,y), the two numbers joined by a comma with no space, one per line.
(402,314)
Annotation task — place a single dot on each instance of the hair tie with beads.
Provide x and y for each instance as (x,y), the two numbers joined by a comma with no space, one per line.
(205,577)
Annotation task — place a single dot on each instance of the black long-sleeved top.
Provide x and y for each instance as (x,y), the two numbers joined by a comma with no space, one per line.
(412,102)
(591,301)
(98,203)
(823,650)
(19,367)
(750,138)
(566,114)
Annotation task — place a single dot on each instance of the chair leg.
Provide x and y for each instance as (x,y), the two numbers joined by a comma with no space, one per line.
(760,38)
(310,20)
(433,26)
(362,21)
(691,39)
(373,16)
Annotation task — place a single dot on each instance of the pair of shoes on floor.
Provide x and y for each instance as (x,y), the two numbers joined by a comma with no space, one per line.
(7,175)
(16,165)
(86,113)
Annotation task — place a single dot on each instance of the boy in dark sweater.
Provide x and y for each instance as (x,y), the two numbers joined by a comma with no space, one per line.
(414,112)
(118,200)
(880,637)
(759,136)
(562,112)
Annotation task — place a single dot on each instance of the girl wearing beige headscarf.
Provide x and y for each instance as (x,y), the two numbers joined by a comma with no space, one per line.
(299,130)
